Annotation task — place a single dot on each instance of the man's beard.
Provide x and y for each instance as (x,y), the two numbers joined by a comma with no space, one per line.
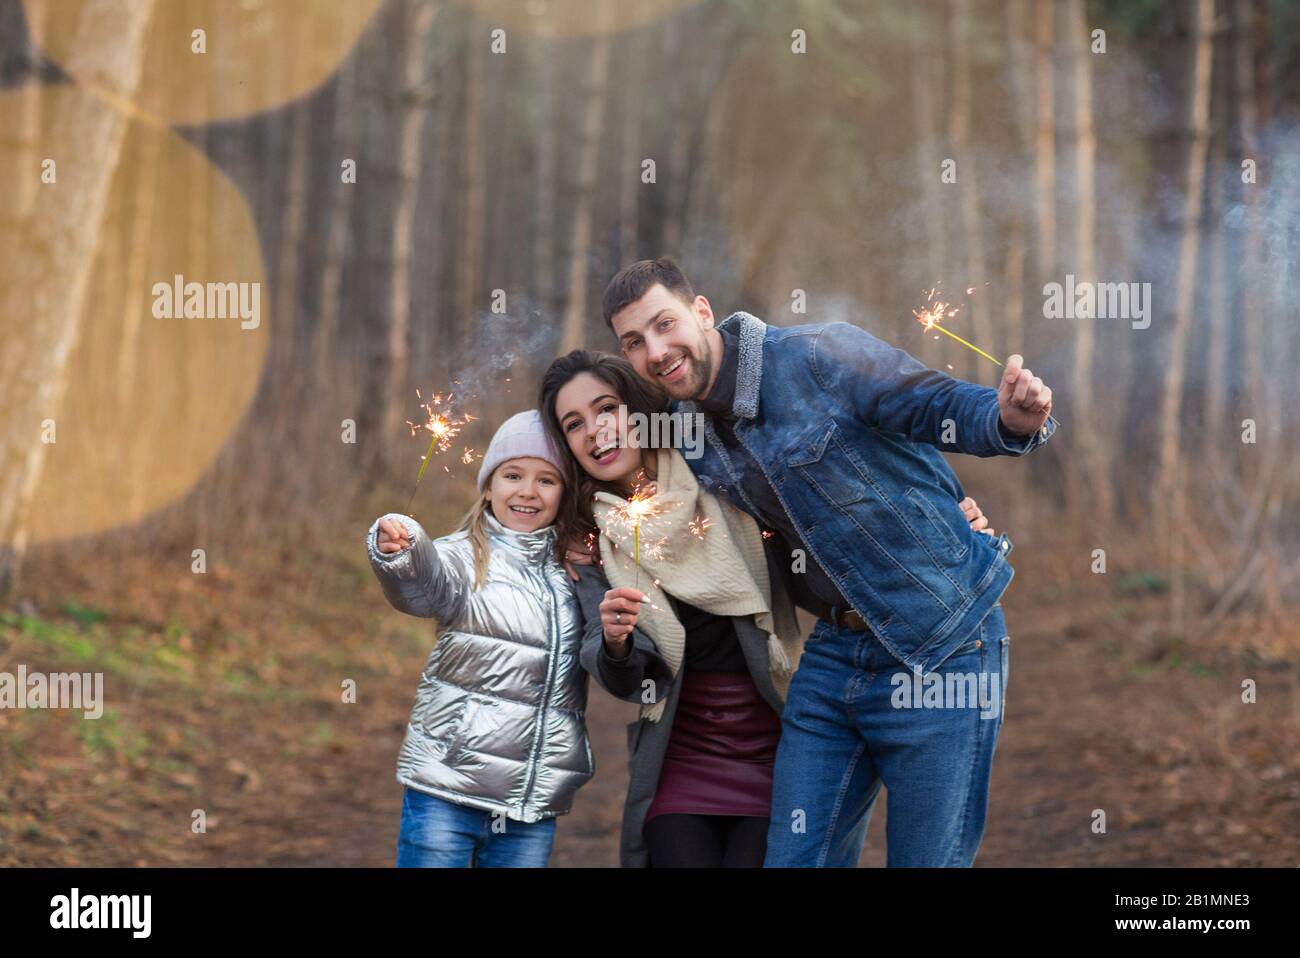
(701,371)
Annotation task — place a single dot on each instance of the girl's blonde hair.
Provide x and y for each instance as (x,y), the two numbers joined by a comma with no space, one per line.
(473,524)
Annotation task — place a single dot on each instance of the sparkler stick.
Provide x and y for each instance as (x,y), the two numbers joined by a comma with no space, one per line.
(948,332)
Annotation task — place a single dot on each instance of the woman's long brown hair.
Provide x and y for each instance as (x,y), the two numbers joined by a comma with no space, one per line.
(576,522)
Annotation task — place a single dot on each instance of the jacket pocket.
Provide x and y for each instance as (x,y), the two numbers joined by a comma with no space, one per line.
(828,467)
(955,546)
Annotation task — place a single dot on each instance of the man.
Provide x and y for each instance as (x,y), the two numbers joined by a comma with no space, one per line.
(830,438)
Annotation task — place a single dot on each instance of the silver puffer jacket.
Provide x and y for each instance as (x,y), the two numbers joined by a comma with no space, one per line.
(498,722)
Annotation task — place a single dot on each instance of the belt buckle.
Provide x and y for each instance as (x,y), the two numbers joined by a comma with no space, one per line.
(840,616)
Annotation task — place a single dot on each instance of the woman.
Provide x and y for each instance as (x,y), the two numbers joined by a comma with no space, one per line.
(708,655)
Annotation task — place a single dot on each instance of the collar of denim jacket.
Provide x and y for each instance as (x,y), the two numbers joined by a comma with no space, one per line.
(721,398)
(749,330)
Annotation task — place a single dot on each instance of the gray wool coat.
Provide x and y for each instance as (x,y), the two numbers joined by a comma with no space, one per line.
(647,741)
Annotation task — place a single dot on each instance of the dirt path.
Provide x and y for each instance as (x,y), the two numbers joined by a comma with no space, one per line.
(1100,715)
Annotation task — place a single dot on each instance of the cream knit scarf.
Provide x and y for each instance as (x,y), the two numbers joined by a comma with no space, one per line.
(723,571)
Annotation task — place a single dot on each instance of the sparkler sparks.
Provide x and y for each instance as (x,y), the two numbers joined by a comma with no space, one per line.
(698,526)
(640,509)
(443,425)
(937,310)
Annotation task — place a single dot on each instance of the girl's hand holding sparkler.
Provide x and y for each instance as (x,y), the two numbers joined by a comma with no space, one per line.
(392,537)
(618,618)
(1024,403)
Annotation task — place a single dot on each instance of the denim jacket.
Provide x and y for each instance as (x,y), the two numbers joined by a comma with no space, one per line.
(848,431)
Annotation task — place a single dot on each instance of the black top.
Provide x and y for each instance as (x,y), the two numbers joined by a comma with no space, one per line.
(711,641)
(813,589)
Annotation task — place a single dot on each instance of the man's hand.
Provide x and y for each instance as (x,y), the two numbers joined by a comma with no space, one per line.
(1024,403)
(618,618)
(392,537)
(579,552)
(975,517)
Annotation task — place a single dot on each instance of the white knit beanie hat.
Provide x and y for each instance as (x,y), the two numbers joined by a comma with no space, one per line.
(523,434)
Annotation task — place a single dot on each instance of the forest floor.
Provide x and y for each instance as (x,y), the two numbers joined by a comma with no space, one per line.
(224,704)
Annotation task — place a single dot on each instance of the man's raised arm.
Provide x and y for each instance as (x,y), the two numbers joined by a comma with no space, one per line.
(886,387)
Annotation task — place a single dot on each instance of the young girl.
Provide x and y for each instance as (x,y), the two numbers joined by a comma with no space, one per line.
(497,744)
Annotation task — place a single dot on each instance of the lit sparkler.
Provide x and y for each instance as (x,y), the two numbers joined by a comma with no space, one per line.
(640,507)
(443,426)
(937,310)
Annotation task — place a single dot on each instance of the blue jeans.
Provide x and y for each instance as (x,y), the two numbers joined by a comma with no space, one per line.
(441,834)
(856,718)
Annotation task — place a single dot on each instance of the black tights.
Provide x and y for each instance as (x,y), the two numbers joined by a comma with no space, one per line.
(706,841)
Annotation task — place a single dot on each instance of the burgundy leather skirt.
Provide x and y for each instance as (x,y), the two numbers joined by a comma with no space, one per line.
(721,749)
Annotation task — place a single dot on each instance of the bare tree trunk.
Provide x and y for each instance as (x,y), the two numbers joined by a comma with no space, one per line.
(288,298)
(346,140)
(1168,489)
(1246,18)
(1218,359)
(679,149)
(977,309)
(142,227)
(1273,376)
(28,188)
(575,313)
(33,369)
(630,163)
(1089,483)
(548,142)
(418,18)
(472,252)
(1045,139)
(1019,65)
(927,129)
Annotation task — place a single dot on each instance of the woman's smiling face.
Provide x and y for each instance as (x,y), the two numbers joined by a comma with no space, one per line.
(587,409)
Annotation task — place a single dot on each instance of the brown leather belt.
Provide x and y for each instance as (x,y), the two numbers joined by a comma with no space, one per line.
(843,618)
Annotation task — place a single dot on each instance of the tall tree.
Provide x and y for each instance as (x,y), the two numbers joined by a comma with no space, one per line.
(1168,485)
(548,143)
(575,311)
(961,30)
(469,295)
(1089,484)
(1045,140)
(418,17)
(65,230)
(346,140)
(629,167)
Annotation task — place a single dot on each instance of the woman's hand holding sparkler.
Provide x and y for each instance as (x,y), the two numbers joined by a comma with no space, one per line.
(618,618)
(1024,403)
(392,537)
